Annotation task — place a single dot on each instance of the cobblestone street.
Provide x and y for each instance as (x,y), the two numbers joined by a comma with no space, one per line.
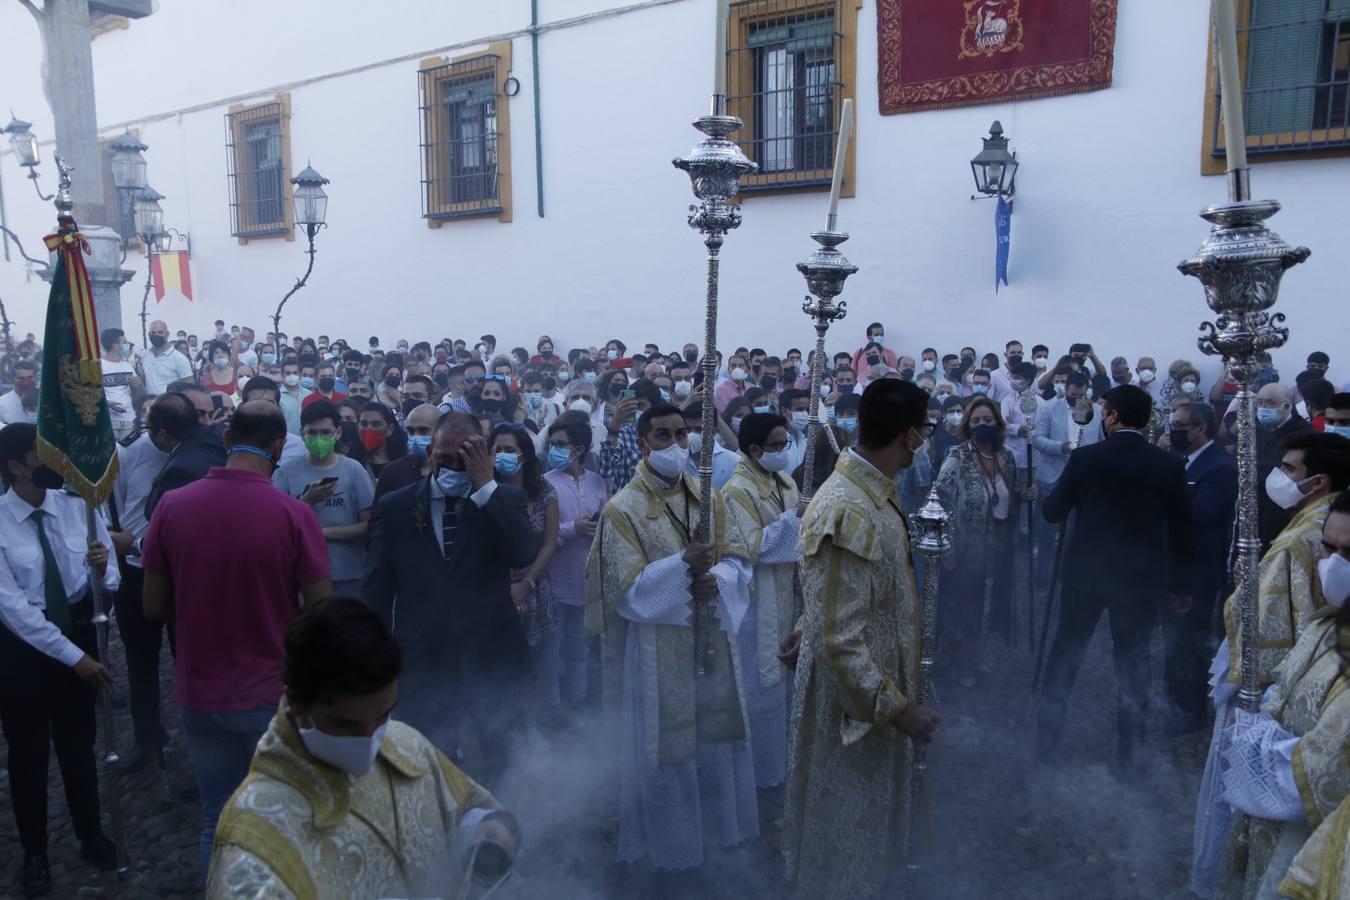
(1003,825)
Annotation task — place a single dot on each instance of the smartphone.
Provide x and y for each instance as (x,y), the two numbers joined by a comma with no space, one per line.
(628,394)
(331,479)
(217,402)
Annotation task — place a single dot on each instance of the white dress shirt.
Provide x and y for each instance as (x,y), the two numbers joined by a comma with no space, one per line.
(22,597)
(480,497)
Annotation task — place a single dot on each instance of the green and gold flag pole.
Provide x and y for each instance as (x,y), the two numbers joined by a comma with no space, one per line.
(75,434)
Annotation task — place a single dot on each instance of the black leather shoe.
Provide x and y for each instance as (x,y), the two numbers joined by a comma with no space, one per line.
(37,877)
(99,852)
(139,757)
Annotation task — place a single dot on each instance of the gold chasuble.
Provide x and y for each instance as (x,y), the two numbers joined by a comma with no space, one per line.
(849,767)
(1288,595)
(1319,872)
(645,522)
(1310,701)
(299,828)
(755,499)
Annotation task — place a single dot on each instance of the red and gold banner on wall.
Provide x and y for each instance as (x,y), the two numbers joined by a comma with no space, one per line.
(934,54)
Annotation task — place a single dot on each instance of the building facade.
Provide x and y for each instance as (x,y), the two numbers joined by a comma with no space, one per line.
(462,200)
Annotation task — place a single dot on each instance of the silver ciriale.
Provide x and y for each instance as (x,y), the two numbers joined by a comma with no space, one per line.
(825,272)
(715,167)
(1240,265)
(930,537)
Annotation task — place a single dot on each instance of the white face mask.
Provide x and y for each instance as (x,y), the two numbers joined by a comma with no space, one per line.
(1146,376)
(1041,361)
(739,374)
(353,755)
(1334,571)
(581,405)
(695,444)
(683,389)
(668,463)
(776,461)
(1190,387)
(800,420)
(291,380)
(1060,388)
(929,365)
(1284,490)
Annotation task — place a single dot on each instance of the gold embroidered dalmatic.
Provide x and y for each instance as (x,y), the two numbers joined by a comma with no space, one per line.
(1309,701)
(849,767)
(300,828)
(755,499)
(1319,871)
(644,522)
(1288,596)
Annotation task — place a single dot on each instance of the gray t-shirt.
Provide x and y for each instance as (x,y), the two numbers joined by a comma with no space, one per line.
(353,494)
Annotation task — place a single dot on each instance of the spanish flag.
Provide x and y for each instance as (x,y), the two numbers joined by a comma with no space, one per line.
(171,274)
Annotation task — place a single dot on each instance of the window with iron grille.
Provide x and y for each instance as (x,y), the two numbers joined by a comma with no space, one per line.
(465,141)
(1295,57)
(258,153)
(789,68)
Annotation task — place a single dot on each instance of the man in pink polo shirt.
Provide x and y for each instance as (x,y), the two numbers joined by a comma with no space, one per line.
(229,558)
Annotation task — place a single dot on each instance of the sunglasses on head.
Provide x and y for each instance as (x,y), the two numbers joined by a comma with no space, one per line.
(499,378)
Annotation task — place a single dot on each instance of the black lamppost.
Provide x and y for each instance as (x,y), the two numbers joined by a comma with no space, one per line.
(311,211)
(994,168)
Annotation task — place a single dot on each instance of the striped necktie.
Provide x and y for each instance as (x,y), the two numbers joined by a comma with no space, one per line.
(449,525)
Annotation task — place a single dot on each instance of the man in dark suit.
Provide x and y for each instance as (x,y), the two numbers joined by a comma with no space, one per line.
(194,447)
(1131,544)
(1212,477)
(438,570)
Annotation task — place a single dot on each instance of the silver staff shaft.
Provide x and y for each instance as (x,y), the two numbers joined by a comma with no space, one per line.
(110,757)
(930,527)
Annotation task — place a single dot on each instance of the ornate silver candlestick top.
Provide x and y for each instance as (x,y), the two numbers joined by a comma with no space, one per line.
(1240,265)
(715,167)
(825,271)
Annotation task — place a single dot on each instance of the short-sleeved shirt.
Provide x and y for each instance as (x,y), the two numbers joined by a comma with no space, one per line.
(238,551)
(117,378)
(353,494)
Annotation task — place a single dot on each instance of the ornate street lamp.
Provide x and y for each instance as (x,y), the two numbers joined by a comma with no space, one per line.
(25,145)
(128,165)
(311,214)
(994,167)
(149,224)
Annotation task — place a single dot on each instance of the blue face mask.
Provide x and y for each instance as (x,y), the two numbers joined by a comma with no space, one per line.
(307,383)
(418,444)
(454,482)
(763,409)
(590,377)
(849,424)
(559,458)
(980,389)
(507,464)
(1342,430)
(1267,416)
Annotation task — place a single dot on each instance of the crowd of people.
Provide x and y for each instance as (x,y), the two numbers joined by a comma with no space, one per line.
(472,533)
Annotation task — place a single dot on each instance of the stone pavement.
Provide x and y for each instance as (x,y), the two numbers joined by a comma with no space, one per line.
(1003,826)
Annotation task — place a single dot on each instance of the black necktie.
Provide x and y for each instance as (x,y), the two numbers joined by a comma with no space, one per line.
(449,525)
(53,590)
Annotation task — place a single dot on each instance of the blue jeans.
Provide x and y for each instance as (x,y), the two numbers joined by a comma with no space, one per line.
(563,657)
(221,746)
